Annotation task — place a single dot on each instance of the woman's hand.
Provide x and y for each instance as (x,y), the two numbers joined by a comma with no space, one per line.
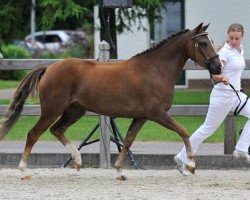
(225,80)
(220,78)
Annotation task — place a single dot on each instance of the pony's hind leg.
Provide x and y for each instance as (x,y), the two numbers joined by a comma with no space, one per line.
(131,134)
(40,127)
(71,115)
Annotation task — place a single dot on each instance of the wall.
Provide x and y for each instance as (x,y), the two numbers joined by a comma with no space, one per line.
(220,14)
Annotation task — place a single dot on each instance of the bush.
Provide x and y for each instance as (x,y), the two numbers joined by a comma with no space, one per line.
(75,50)
(15,52)
(12,74)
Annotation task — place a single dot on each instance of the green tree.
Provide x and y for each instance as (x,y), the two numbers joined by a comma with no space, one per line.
(56,10)
(15,16)
(67,14)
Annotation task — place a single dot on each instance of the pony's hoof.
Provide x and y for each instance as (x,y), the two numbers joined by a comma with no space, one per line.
(191,166)
(118,169)
(26,178)
(121,178)
(191,169)
(77,165)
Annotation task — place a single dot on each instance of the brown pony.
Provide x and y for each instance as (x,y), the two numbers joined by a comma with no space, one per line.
(141,88)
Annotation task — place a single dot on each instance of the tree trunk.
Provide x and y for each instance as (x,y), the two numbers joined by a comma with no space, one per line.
(108,29)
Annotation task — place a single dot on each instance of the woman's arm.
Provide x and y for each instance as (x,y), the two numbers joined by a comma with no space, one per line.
(221,77)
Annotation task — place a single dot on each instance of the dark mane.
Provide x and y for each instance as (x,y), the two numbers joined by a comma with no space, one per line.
(164,41)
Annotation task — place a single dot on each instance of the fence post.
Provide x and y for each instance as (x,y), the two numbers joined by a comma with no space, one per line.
(229,134)
(104,120)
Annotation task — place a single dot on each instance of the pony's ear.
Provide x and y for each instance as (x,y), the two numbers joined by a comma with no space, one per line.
(205,27)
(198,28)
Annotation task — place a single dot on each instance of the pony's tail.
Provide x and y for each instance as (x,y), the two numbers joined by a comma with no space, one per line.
(29,85)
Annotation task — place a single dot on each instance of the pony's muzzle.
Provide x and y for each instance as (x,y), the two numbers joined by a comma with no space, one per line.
(214,68)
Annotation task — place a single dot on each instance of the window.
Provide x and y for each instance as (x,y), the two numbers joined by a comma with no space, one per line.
(172,22)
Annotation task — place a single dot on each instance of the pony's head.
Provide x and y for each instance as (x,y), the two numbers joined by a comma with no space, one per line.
(202,50)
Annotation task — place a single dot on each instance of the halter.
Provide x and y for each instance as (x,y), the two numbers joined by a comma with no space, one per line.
(196,45)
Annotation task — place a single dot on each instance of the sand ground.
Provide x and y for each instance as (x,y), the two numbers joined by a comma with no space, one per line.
(102,184)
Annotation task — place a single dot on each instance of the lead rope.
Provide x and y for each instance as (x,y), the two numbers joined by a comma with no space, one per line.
(238,108)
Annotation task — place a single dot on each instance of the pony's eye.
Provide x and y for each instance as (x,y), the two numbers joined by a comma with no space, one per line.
(204,44)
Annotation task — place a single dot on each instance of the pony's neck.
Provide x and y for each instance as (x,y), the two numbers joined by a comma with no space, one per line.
(176,59)
(168,57)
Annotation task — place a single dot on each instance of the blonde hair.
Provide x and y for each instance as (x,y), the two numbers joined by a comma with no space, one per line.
(233,27)
(236,27)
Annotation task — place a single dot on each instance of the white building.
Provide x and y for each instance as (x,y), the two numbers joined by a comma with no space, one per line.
(220,14)
(187,14)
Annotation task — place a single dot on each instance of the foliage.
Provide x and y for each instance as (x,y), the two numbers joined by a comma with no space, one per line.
(14,17)
(12,51)
(12,74)
(67,14)
(55,14)
(150,9)
(61,10)
(76,50)
(72,15)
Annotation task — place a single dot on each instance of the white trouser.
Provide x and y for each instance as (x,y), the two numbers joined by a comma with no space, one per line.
(221,103)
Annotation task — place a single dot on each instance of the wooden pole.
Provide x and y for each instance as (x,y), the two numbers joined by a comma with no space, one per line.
(230,134)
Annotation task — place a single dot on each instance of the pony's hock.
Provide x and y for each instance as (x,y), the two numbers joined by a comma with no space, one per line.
(141,88)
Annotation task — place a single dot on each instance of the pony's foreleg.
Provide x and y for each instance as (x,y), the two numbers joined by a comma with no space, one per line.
(131,134)
(168,122)
(72,114)
(76,156)
(32,138)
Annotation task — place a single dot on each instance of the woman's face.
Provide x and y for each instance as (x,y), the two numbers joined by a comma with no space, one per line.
(234,39)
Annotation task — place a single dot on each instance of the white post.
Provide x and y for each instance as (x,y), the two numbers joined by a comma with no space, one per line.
(105,156)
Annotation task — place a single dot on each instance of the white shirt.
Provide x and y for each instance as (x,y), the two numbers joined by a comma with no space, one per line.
(235,64)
